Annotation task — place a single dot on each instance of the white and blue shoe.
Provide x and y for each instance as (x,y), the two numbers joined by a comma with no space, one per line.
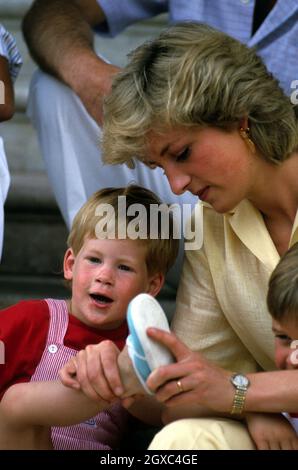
(146,355)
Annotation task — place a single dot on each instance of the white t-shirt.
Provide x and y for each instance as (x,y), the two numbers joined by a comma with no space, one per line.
(4,185)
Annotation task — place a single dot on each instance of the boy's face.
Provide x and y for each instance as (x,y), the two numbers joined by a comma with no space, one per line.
(106,275)
(286,344)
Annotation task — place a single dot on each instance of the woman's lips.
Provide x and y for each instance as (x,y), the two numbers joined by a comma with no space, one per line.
(203,193)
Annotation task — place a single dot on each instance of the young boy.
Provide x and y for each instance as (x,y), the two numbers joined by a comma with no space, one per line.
(282,303)
(40,336)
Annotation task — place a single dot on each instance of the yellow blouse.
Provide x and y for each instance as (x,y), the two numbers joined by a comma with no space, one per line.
(221,300)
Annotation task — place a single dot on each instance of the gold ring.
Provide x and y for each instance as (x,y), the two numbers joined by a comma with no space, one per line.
(180,386)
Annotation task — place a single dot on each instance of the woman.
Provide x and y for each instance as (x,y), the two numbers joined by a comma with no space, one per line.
(203,107)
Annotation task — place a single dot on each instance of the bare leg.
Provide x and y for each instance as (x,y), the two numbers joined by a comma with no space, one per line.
(28,410)
(128,376)
(25,437)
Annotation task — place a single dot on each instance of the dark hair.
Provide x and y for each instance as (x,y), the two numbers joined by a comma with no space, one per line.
(282,298)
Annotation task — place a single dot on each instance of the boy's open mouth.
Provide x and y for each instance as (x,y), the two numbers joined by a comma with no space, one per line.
(101,298)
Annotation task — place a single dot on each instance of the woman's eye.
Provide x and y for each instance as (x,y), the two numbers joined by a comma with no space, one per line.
(183,155)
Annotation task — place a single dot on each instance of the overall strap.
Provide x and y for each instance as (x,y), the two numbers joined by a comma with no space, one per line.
(58,320)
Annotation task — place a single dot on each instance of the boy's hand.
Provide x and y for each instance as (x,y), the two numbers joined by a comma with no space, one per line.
(68,374)
(96,372)
(271,432)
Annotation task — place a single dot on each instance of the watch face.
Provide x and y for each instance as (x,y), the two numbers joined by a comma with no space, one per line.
(240,380)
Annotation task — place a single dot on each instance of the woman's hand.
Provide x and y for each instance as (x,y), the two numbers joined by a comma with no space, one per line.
(271,432)
(191,380)
(94,370)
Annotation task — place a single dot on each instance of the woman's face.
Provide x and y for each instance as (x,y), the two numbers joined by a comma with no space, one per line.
(213,164)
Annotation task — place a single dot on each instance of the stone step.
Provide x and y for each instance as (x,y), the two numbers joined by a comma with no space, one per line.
(34,232)
(30,192)
(14,8)
(21,145)
(14,288)
(34,243)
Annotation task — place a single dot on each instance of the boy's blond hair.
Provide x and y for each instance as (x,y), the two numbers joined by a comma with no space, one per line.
(161,252)
(282,298)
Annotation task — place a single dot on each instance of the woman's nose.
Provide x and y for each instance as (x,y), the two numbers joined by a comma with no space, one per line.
(178,180)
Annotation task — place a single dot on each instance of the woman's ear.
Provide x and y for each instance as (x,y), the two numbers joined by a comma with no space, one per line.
(243,123)
(155,284)
(69,259)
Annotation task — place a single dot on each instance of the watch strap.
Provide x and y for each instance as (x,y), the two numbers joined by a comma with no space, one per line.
(239,401)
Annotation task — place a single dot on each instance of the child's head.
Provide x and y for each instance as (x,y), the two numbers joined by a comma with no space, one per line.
(282,300)
(107,262)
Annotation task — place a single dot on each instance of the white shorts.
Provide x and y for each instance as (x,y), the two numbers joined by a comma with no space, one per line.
(4,185)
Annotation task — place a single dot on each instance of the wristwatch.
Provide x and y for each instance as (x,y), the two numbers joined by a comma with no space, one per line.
(241,384)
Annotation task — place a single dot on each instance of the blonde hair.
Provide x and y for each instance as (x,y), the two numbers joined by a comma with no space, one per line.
(194,75)
(282,297)
(161,252)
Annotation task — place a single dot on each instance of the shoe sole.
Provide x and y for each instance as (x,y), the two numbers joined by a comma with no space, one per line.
(146,355)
